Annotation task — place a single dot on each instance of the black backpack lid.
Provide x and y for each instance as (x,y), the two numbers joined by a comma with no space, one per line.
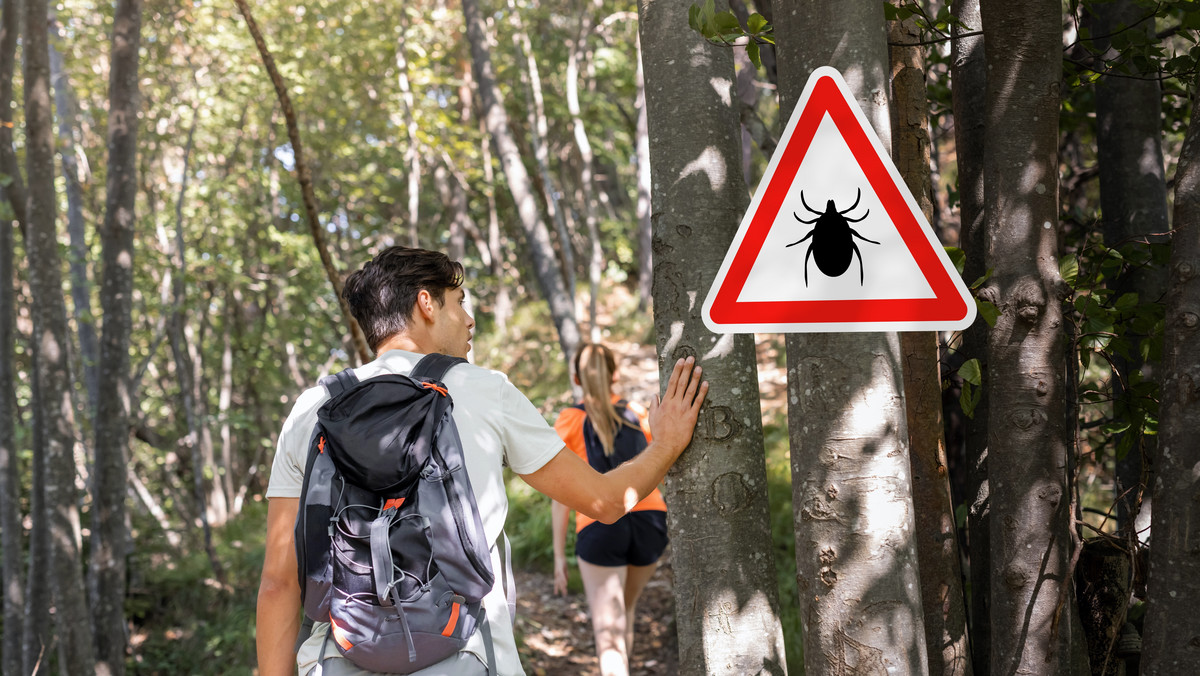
(379,433)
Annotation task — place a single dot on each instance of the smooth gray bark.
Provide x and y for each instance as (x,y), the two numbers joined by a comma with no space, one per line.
(537,237)
(12,573)
(1133,204)
(51,351)
(969,94)
(1030,451)
(645,259)
(579,53)
(110,545)
(412,153)
(81,294)
(725,591)
(856,557)
(539,130)
(1171,644)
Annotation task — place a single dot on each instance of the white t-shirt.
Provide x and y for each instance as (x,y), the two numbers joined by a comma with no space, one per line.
(496,423)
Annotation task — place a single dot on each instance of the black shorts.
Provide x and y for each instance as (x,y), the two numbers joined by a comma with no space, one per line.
(636,539)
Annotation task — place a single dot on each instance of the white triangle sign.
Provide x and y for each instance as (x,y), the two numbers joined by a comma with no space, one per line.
(833,240)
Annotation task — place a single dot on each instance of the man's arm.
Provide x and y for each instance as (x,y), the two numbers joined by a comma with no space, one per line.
(279,592)
(608,497)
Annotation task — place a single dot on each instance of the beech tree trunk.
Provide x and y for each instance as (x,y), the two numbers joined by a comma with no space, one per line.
(577,54)
(728,619)
(856,555)
(11,532)
(51,351)
(110,544)
(645,259)
(937,543)
(538,131)
(1030,451)
(412,154)
(14,188)
(969,93)
(1171,644)
(537,237)
(81,296)
(1133,203)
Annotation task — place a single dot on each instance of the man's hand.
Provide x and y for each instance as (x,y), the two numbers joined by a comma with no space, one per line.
(673,420)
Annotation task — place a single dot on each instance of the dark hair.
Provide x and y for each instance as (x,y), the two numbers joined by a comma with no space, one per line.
(382,293)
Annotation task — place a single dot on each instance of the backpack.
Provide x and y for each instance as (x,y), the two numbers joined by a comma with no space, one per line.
(628,442)
(389,543)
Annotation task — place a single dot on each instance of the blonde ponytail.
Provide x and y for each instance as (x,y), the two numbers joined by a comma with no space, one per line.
(595,366)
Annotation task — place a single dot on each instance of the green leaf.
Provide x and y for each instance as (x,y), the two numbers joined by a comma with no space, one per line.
(5,180)
(988,311)
(752,51)
(756,23)
(1068,268)
(694,17)
(727,23)
(971,372)
(969,399)
(960,516)
(6,213)
(958,257)
(1126,303)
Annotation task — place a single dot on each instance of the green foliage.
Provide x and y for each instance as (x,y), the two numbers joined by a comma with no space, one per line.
(1111,327)
(725,29)
(783,536)
(183,620)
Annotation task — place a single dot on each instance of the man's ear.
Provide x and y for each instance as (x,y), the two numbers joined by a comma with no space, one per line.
(425,304)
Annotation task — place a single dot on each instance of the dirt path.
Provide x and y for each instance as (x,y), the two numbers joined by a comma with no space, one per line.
(557,633)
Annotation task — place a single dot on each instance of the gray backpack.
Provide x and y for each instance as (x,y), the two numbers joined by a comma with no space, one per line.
(389,543)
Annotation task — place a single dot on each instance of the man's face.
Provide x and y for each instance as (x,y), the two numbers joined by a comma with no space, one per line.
(452,324)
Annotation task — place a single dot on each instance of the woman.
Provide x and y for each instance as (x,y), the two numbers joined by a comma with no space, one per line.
(615,561)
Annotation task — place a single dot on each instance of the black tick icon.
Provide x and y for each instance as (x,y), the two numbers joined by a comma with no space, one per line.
(833,239)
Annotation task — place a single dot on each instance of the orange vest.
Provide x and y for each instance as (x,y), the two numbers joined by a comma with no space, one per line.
(570,426)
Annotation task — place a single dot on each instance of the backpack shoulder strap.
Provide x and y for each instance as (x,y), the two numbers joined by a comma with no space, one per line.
(339,382)
(434,366)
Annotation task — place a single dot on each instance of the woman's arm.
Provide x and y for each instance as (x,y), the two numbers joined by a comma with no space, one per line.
(559,514)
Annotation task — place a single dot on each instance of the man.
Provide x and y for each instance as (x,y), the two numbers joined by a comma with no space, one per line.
(409,302)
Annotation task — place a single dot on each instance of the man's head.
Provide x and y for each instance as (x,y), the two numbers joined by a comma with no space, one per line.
(383,295)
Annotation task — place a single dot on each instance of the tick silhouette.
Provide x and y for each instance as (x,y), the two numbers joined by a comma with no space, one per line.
(832,239)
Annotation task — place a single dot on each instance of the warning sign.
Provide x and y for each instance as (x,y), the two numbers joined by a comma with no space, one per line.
(833,240)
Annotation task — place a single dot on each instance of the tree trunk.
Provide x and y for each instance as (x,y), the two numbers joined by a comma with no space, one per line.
(185,366)
(1133,202)
(1172,630)
(412,154)
(945,616)
(11,532)
(10,29)
(1030,453)
(577,54)
(109,536)
(969,92)
(51,350)
(224,401)
(856,555)
(539,130)
(81,296)
(719,519)
(303,176)
(645,259)
(545,265)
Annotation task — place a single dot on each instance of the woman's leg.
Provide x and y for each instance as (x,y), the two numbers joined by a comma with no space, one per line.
(605,588)
(636,578)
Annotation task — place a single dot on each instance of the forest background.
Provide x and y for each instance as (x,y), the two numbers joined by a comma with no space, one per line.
(168,285)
